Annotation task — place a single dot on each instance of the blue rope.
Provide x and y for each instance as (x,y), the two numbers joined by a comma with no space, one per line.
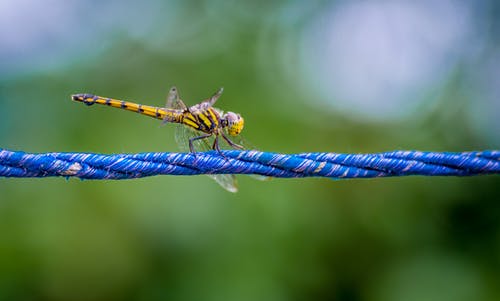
(126,166)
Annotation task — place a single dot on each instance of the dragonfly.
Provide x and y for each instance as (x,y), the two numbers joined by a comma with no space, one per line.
(200,127)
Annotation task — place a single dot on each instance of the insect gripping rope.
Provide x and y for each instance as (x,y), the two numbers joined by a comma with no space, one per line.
(201,126)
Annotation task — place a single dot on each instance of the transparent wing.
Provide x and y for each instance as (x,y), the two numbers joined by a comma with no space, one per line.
(182,136)
(240,140)
(174,101)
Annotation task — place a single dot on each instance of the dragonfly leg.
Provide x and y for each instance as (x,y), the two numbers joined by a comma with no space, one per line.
(191,140)
(216,147)
(231,143)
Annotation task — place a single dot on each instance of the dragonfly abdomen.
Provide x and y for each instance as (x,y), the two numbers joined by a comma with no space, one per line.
(155,112)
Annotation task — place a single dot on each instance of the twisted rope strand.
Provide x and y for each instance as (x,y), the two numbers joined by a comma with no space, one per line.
(127,166)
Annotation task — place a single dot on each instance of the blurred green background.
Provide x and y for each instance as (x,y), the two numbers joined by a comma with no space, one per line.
(308,76)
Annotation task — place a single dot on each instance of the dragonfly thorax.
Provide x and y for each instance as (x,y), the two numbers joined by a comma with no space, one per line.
(234,123)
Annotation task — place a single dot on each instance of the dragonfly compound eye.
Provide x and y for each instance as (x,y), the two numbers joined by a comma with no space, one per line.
(235,123)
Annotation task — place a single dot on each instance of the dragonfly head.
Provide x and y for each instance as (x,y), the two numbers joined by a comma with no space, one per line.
(234,123)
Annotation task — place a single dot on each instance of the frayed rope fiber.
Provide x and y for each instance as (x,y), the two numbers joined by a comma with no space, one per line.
(127,166)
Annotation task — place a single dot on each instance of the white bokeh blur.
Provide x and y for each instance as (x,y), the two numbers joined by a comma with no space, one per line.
(379,60)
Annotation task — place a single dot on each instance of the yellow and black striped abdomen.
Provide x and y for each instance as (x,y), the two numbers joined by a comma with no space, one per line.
(155,112)
(206,121)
